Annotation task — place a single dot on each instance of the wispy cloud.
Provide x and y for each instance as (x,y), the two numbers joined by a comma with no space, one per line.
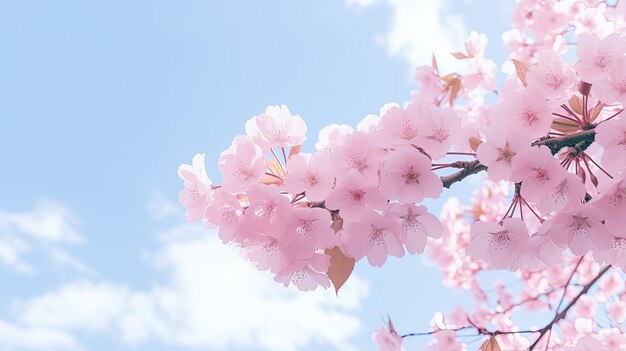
(420,28)
(42,231)
(209,298)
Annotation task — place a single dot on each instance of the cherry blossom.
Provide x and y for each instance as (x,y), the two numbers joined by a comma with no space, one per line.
(528,111)
(498,152)
(417,225)
(406,176)
(277,127)
(613,89)
(597,56)
(373,235)
(308,229)
(357,153)
(538,171)
(581,229)
(500,246)
(387,340)
(306,274)
(551,75)
(611,135)
(353,196)
(436,129)
(309,173)
(225,212)
(242,165)
(197,192)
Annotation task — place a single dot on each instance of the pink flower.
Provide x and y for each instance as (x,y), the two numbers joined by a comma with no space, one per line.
(359,154)
(475,44)
(307,230)
(499,151)
(277,127)
(387,340)
(373,235)
(437,127)
(430,85)
(354,195)
(332,135)
(197,192)
(617,311)
(444,340)
(225,212)
(541,249)
(267,210)
(481,73)
(311,174)
(615,255)
(581,229)
(612,200)
(569,191)
(528,112)
(588,343)
(399,126)
(406,177)
(306,274)
(611,135)
(538,171)
(242,165)
(613,89)
(551,75)
(500,246)
(417,224)
(597,56)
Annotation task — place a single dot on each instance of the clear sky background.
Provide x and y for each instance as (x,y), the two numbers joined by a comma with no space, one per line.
(99,104)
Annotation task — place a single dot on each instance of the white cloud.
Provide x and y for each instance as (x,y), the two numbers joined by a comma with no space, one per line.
(40,231)
(212,298)
(419,28)
(161,208)
(12,338)
(49,221)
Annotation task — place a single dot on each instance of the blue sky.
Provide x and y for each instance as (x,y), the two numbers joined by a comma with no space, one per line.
(101,101)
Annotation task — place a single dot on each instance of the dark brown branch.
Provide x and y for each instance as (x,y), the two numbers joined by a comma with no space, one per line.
(561,315)
(580,139)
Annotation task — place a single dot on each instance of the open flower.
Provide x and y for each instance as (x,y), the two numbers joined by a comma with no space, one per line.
(500,246)
(406,176)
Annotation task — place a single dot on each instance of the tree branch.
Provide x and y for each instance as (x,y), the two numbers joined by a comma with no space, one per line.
(561,315)
(554,144)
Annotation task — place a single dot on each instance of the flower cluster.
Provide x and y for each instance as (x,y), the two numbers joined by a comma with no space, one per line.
(552,210)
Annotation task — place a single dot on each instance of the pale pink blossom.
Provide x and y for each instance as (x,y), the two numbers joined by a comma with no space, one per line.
(430,85)
(359,154)
(588,343)
(242,165)
(373,235)
(332,135)
(437,126)
(615,254)
(198,188)
(527,111)
(552,76)
(353,196)
(499,151)
(307,229)
(538,171)
(611,135)
(612,200)
(266,211)
(311,173)
(225,212)
(475,44)
(400,126)
(444,340)
(277,127)
(499,245)
(306,274)
(581,229)
(387,340)
(569,191)
(597,56)
(613,89)
(547,20)
(406,177)
(542,250)
(417,225)
(617,311)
